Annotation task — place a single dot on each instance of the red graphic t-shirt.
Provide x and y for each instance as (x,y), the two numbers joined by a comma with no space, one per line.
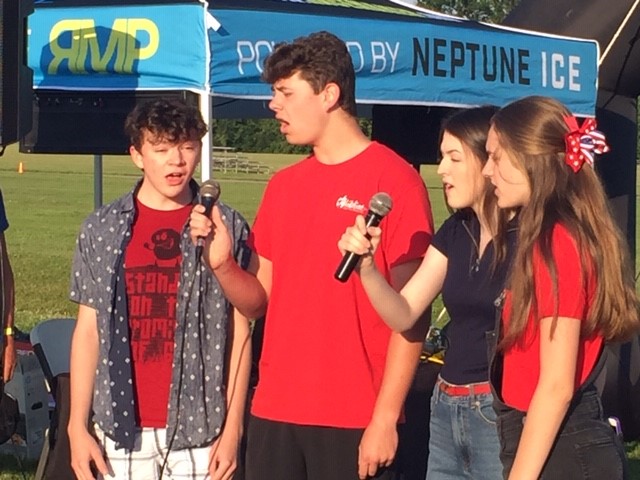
(152,270)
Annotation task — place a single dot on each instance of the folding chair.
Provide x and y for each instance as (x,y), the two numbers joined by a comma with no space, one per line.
(51,341)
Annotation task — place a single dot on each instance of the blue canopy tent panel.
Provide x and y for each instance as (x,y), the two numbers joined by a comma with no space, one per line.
(128,47)
(135,49)
(404,56)
(412,58)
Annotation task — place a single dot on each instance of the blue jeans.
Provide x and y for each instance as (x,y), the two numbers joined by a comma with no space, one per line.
(463,439)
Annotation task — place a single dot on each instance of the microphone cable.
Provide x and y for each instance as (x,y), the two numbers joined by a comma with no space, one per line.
(169,444)
(231,384)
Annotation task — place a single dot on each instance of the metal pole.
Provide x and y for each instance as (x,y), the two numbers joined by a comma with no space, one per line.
(97,181)
(207,115)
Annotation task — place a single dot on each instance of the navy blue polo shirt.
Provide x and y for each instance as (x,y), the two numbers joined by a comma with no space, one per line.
(469,290)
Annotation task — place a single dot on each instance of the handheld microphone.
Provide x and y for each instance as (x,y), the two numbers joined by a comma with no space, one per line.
(209,194)
(379,206)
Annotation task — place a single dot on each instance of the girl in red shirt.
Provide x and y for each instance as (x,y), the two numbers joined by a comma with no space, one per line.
(570,289)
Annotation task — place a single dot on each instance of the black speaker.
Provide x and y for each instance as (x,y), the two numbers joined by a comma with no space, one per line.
(16,78)
(87,122)
(411,131)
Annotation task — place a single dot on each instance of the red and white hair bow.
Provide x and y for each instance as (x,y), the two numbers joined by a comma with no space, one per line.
(582,142)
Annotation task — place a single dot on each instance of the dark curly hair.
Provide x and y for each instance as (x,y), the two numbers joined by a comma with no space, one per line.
(167,120)
(320,58)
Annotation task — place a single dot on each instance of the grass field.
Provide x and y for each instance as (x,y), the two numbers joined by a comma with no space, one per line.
(47,202)
(45,206)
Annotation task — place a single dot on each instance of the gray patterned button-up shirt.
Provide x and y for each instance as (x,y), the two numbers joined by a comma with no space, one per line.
(197,404)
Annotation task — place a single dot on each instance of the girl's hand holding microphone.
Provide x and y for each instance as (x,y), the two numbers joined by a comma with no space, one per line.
(363,238)
(362,241)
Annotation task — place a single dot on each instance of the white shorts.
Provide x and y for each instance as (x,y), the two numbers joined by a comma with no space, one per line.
(146,460)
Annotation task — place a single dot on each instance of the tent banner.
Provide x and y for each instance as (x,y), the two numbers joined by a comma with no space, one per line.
(119,48)
(431,62)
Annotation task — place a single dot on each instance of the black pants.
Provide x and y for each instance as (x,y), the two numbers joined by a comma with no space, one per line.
(586,447)
(284,451)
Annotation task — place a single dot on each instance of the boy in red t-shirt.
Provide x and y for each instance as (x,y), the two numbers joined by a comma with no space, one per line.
(333,377)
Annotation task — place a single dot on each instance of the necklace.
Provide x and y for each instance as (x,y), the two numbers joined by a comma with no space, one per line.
(474,263)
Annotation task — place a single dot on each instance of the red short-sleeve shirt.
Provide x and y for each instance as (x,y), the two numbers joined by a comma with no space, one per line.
(325,347)
(575,296)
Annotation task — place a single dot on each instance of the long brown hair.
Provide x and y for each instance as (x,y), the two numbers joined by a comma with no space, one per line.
(532,131)
(471,127)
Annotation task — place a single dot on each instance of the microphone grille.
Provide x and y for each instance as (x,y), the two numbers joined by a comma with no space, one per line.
(210,189)
(381,204)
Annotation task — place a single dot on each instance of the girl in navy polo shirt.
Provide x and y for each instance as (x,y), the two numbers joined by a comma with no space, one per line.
(467,261)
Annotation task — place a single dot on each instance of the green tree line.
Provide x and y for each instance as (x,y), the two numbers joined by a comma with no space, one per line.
(492,11)
(260,135)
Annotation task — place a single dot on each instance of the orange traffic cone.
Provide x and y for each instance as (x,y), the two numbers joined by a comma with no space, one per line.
(20,168)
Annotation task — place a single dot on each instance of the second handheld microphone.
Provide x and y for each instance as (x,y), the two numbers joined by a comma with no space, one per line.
(379,206)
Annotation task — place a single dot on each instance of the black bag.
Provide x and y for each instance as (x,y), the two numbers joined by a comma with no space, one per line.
(619,385)
(58,464)
(9,415)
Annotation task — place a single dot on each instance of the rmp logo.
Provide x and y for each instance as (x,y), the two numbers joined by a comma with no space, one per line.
(76,41)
